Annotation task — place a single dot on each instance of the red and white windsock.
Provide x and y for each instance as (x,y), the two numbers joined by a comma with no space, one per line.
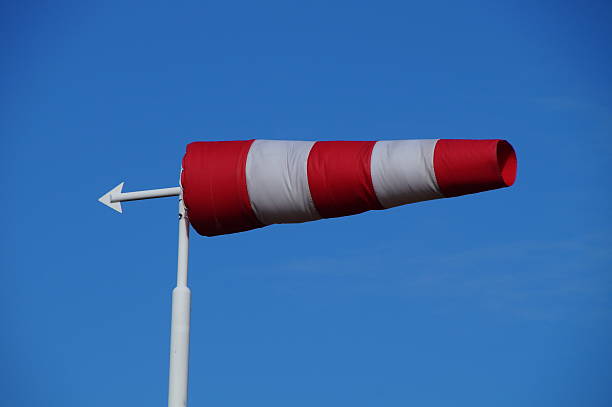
(233,186)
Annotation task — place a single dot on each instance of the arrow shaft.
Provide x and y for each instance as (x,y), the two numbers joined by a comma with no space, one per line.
(147,194)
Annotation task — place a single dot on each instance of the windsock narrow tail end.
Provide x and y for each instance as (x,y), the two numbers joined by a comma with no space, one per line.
(469,166)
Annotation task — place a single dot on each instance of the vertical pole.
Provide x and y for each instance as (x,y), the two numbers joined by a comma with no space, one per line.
(181,307)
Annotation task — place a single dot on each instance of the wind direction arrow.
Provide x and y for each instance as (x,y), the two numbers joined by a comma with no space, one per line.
(114,197)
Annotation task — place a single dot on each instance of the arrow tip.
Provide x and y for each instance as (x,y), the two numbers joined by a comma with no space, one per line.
(106,198)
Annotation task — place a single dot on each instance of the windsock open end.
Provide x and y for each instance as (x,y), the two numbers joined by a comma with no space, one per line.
(506,160)
(470,166)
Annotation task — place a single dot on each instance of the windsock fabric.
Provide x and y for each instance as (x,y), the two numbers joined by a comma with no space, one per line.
(234,186)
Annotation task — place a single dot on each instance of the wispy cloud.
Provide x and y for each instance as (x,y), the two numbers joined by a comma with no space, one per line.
(563,103)
(531,279)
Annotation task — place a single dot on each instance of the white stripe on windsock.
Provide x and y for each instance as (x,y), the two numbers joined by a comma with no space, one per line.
(277,181)
(403,172)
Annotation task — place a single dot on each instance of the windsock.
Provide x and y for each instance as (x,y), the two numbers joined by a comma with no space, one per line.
(234,186)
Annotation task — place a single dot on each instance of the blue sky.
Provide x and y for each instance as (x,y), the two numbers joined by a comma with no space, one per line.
(502,298)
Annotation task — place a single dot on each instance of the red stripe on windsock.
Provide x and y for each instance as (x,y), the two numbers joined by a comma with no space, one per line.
(215,188)
(339,177)
(470,166)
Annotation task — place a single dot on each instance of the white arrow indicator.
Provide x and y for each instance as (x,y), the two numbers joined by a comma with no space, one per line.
(114,197)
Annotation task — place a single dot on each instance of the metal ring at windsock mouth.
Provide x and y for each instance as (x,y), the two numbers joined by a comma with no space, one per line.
(470,166)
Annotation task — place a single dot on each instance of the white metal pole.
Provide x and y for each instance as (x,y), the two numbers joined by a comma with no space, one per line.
(181,307)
